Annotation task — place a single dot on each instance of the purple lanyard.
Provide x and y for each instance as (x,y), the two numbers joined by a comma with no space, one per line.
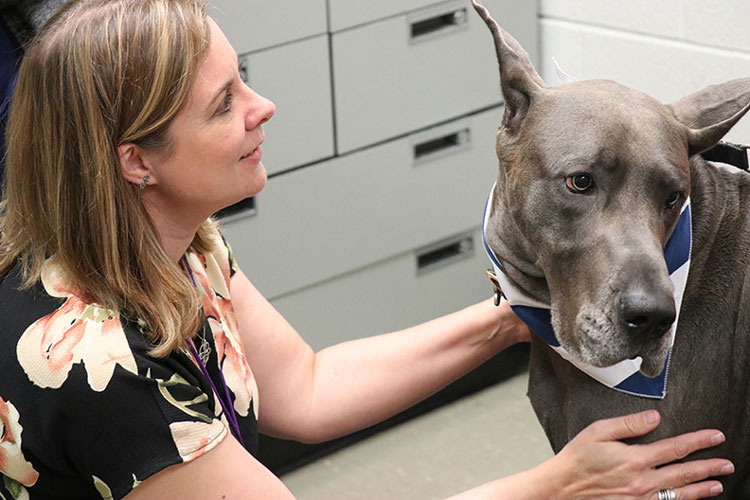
(225,405)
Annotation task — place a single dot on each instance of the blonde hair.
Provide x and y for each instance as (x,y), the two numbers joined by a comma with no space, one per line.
(102,73)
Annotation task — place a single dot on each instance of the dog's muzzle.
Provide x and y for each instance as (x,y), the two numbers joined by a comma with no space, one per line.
(626,375)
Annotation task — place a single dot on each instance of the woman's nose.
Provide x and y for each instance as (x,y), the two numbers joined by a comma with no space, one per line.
(261,110)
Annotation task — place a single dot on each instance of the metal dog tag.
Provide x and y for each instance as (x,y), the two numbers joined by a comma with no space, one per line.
(497,291)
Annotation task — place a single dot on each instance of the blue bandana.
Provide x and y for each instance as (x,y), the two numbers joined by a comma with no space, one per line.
(624,376)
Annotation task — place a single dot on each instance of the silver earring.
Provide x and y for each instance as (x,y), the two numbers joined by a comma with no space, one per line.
(144,182)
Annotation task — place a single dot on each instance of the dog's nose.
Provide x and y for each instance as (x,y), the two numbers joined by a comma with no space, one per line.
(647,314)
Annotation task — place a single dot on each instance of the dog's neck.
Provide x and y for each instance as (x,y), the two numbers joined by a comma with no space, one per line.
(518,259)
(718,208)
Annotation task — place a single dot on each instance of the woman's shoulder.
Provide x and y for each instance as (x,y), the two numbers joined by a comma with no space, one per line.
(20,306)
(48,327)
(81,372)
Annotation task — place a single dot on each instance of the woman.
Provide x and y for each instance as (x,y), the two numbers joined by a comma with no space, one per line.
(128,332)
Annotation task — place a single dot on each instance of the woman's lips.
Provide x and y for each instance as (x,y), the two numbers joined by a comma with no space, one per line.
(254,156)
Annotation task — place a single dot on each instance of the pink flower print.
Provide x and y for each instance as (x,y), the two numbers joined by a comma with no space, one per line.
(193,439)
(12,462)
(217,267)
(234,366)
(76,332)
(214,283)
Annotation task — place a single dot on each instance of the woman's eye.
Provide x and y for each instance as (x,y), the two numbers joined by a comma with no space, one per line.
(579,183)
(673,199)
(226,104)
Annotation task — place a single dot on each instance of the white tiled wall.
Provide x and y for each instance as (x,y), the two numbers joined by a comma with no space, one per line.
(667,48)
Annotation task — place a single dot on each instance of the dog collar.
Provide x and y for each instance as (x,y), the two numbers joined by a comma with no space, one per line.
(624,376)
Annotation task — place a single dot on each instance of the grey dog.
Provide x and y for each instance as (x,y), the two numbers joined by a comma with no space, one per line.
(591,179)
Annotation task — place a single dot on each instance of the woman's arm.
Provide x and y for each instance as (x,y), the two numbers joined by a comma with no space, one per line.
(594,465)
(349,386)
(226,472)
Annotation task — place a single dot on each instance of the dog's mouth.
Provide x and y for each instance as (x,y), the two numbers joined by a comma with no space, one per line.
(655,355)
(600,341)
(652,356)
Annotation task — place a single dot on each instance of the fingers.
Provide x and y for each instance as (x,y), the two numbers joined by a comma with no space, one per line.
(687,479)
(705,489)
(679,475)
(615,429)
(671,449)
(644,475)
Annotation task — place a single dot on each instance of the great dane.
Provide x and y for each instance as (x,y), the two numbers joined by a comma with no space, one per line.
(595,181)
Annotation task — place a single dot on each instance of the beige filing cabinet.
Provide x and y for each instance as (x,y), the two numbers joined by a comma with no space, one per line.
(380,157)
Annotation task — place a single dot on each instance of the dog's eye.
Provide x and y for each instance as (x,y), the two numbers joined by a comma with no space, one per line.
(673,199)
(579,183)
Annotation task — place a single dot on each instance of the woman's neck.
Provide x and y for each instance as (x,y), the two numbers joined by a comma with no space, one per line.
(175,232)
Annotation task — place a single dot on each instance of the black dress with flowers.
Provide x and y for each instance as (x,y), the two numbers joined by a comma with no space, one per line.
(87,413)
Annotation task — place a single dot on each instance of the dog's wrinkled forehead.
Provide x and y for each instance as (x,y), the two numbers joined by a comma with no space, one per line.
(594,116)
(604,106)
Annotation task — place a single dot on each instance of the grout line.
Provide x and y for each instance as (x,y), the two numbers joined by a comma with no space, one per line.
(338,154)
(641,36)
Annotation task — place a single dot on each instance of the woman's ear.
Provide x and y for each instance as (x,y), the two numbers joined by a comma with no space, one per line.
(134,165)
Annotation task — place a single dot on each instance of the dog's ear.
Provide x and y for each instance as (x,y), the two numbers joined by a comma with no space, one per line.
(712,111)
(518,78)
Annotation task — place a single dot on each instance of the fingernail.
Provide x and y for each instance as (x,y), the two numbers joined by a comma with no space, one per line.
(727,469)
(716,489)
(650,417)
(717,438)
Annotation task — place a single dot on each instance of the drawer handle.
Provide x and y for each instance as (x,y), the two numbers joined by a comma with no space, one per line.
(438,23)
(444,253)
(240,210)
(244,71)
(442,145)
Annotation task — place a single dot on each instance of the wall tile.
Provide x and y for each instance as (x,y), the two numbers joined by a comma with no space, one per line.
(663,18)
(721,24)
(664,68)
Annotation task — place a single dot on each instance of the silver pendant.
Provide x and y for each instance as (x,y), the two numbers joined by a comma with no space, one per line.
(204,352)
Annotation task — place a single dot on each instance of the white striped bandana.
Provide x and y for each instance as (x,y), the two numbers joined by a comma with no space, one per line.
(624,376)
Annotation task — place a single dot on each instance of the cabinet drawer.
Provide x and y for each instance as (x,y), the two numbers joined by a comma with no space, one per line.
(255,24)
(346,13)
(428,66)
(296,77)
(321,221)
(388,296)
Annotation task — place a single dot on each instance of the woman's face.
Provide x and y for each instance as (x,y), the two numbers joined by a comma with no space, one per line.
(214,159)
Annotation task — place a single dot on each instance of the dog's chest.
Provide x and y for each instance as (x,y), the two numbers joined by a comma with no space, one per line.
(709,376)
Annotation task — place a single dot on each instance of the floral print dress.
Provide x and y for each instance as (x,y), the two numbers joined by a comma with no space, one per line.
(87,413)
